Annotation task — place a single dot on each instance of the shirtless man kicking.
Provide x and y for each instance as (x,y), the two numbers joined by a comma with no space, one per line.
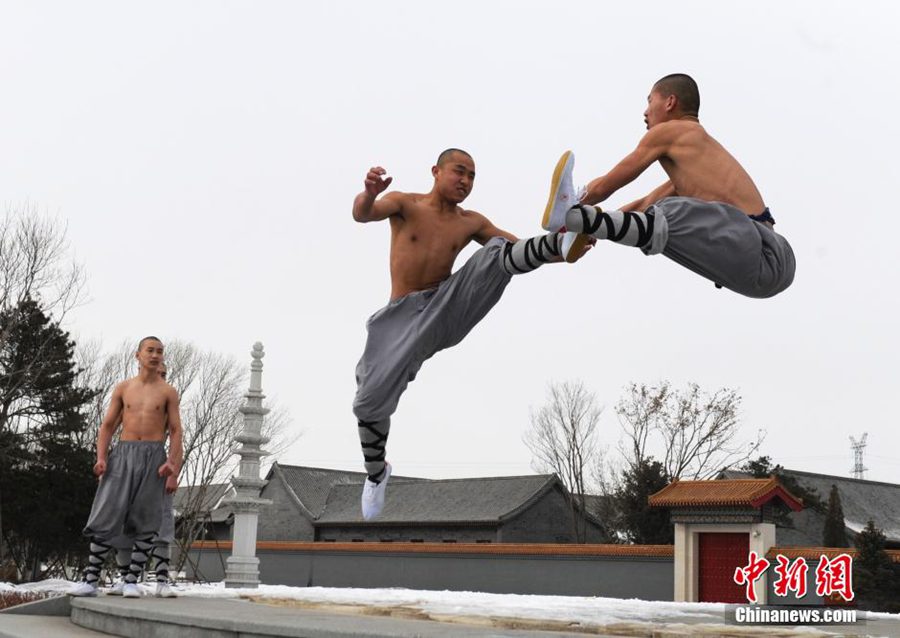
(430,309)
(133,475)
(709,216)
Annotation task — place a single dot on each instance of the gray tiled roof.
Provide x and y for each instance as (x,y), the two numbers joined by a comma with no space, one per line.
(312,484)
(209,498)
(475,500)
(861,501)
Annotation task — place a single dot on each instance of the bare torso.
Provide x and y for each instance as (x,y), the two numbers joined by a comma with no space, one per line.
(700,167)
(144,409)
(425,241)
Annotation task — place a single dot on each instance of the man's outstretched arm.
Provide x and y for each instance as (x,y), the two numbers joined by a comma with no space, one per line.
(365,206)
(658,193)
(487,230)
(653,146)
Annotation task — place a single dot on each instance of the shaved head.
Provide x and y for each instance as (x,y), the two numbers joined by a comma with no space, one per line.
(684,89)
(150,338)
(445,156)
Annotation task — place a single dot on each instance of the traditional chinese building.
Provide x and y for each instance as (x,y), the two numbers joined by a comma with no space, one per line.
(862,501)
(317,504)
(718,525)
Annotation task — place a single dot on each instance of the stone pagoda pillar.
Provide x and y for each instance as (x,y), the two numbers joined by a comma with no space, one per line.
(242,567)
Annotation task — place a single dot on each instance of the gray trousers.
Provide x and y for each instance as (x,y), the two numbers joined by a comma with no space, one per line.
(721,243)
(409,330)
(166,533)
(129,499)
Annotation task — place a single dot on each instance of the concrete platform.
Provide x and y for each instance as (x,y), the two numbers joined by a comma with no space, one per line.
(55,606)
(230,618)
(32,626)
(197,617)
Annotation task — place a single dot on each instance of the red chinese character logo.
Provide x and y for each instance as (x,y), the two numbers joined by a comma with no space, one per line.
(791,577)
(750,574)
(835,576)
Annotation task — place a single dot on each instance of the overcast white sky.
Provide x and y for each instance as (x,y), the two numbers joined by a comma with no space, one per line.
(205,156)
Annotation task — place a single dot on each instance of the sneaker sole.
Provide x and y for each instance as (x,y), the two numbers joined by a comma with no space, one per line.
(554,188)
(578,248)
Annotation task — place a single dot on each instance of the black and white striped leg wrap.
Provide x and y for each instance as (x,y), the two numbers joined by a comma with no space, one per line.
(123,561)
(527,254)
(98,553)
(373,437)
(139,556)
(161,555)
(628,228)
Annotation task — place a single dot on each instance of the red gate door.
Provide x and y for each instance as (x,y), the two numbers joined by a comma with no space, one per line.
(720,555)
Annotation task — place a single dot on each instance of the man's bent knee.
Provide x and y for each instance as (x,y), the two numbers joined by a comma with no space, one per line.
(368,407)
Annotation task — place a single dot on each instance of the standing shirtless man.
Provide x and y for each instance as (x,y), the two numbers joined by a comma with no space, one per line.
(162,542)
(709,216)
(129,499)
(430,309)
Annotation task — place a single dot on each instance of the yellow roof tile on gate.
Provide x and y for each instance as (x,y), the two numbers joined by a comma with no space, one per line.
(724,493)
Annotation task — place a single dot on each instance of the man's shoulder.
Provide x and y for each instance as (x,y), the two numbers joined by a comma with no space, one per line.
(471,215)
(122,386)
(680,128)
(403,196)
(408,202)
(673,127)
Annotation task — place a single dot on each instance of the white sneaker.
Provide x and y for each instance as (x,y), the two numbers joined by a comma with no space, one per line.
(373,495)
(83,588)
(131,590)
(574,246)
(562,194)
(164,590)
(116,589)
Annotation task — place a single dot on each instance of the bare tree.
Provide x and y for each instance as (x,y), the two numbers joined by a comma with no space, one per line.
(563,440)
(695,433)
(102,373)
(34,265)
(606,479)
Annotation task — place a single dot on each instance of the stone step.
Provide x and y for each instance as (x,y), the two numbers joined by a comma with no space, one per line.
(232,618)
(32,626)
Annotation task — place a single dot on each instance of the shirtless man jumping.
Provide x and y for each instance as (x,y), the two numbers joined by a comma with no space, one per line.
(129,499)
(709,216)
(430,309)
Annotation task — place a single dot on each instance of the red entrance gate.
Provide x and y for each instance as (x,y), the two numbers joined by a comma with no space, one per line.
(720,555)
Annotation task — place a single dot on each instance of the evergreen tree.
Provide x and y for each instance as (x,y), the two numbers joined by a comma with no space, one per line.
(46,485)
(834,533)
(870,544)
(876,579)
(762,468)
(641,523)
